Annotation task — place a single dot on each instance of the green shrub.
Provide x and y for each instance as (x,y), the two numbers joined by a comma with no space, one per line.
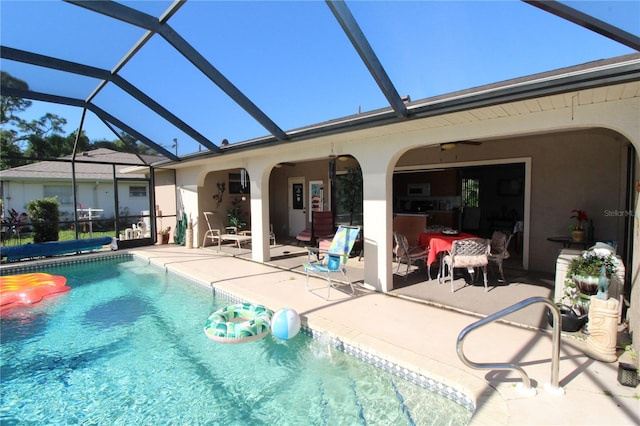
(44,215)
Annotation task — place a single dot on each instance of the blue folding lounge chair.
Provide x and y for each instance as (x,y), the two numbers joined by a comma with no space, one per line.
(335,258)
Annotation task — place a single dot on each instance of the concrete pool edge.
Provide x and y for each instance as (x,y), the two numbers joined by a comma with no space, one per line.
(490,406)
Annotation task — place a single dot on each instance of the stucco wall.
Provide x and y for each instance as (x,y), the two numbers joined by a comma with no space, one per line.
(634,311)
(165,192)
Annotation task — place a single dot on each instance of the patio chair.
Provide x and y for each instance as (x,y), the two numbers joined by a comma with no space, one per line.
(272,235)
(407,254)
(321,227)
(212,233)
(499,250)
(335,259)
(469,253)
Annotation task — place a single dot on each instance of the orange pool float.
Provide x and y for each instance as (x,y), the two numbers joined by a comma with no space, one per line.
(28,289)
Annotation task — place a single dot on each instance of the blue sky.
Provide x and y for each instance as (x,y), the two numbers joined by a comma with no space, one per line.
(292,59)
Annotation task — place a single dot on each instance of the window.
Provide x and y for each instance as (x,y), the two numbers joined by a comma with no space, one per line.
(137,191)
(348,197)
(471,192)
(239,183)
(62,193)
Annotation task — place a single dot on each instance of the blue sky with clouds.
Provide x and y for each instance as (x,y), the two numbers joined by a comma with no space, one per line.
(292,59)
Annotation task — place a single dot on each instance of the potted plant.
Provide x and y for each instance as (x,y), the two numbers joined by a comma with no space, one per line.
(573,309)
(235,214)
(577,230)
(586,270)
(163,235)
(587,274)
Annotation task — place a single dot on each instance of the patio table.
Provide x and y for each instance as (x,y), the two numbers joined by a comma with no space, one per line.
(438,242)
(567,242)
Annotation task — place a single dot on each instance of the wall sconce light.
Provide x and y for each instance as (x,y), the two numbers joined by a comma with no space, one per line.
(221,187)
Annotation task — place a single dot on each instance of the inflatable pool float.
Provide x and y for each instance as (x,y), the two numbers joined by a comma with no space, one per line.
(240,323)
(29,289)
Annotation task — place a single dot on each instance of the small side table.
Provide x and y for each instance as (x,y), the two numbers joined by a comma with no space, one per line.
(568,242)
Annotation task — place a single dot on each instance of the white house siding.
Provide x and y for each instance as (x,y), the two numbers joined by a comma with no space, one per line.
(18,193)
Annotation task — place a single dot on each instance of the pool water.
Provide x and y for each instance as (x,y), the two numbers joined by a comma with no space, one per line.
(126,346)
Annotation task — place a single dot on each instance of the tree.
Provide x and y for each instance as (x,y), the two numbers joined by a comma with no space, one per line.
(38,138)
(9,105)
(45,217)
(127,143)
(55,145)
(44,138)
(9,150)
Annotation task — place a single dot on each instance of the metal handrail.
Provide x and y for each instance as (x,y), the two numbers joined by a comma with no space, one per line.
(555,357)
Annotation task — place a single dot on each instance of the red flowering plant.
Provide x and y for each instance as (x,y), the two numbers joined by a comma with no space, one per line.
(235,214)
(581,217)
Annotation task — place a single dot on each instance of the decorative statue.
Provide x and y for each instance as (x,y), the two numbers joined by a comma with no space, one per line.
(603,284)
(218,196)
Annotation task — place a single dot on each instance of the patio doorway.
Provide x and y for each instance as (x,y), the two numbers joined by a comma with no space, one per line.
(494,191)
(296,205)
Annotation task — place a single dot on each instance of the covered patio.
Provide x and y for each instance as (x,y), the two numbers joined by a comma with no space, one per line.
(468,297)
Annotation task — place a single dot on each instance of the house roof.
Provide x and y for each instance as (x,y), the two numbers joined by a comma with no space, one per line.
(95,165)
(193,41)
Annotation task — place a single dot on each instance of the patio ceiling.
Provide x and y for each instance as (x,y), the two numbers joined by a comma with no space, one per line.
(98,56)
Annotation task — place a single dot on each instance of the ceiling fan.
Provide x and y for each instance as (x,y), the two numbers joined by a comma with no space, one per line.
(447,146)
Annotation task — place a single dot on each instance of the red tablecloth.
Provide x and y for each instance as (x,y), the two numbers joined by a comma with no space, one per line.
(437,242)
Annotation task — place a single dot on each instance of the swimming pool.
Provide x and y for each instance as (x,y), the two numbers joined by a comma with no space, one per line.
(126,346)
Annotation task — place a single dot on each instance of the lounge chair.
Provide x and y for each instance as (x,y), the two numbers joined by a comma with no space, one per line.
(212,233)
(335,259)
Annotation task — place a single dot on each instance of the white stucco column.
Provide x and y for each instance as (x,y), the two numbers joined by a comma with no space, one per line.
(259,181)
(377,217)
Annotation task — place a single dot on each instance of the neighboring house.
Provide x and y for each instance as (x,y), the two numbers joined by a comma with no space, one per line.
(94,176)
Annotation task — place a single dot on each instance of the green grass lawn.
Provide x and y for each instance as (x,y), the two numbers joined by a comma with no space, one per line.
(27,238)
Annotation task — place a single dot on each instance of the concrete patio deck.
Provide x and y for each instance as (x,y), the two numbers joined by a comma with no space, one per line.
(422,337)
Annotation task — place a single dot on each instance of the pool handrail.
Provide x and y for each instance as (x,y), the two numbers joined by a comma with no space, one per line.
(553,387)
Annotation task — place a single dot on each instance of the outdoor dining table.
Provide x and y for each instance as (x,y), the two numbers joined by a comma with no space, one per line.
(438,242)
